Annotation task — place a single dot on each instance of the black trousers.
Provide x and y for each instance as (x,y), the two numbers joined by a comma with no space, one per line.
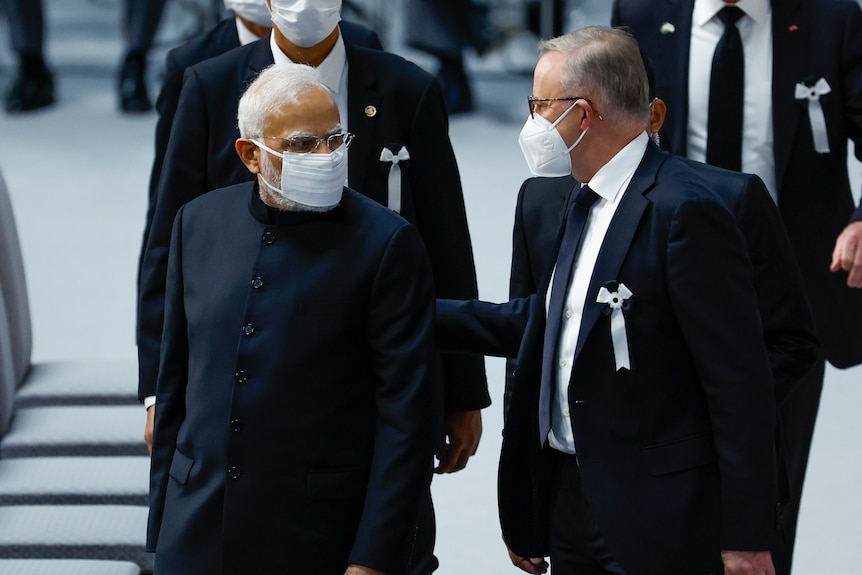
(577,546)
(422,559)
(797,416)
(140,21)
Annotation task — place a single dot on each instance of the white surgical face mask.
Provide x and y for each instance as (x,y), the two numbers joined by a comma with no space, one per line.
(314,180)
(306,22)
(544,148)
(252,10)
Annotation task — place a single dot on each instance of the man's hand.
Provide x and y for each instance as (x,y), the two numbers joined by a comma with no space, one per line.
(747,563)
(461,434)
(148,429)
(536,565)
(360,570)
(847,254)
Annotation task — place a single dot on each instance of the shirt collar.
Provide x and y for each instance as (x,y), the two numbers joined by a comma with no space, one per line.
(705,10)
(245,35)
(331,69)
(613,176)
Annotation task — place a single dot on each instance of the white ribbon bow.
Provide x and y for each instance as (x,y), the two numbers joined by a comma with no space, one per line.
(394,175)
(815,112)
(615,301)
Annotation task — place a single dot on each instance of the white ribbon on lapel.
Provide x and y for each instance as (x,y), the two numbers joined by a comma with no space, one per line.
(614,301)
(815,112)
(394,175)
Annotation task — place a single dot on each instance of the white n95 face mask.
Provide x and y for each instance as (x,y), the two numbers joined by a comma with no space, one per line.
(543,147)
(306,22)
(314,180)
(252,10)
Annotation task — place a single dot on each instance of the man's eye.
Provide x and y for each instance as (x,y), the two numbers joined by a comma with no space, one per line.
(302,144)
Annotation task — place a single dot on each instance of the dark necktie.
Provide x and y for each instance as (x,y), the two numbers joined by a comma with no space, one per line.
(576,220)
(726,85)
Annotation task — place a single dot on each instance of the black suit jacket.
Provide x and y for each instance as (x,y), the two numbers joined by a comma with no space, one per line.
(676,455)
(812,39)
(297,404)
(391,102)
(788,327)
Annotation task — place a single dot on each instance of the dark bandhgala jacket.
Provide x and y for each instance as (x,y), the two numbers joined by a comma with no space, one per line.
(298,404)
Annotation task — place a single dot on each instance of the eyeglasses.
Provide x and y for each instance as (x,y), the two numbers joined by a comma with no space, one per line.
(534,102)
(307,144)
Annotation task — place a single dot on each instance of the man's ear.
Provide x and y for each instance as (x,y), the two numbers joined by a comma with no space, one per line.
(249,153)
(657,113)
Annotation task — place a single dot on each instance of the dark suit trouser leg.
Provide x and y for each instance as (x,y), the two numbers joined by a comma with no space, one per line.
(577,546)
(26,25)
(140,22)
(422,559)
(797,415)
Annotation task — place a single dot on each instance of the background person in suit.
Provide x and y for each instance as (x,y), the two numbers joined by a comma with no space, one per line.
(643,447)
(394,108)
(786,47)
(267,452)
(33,87)
(251,22)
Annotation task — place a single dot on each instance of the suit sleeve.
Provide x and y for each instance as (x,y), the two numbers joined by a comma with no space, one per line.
(183,179)
(442,221)
(484,328)
(788,327)
(172,383)
(408,397)
(711,290)
(521,280)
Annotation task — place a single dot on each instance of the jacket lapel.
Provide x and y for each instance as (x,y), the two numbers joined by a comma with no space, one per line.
(259,57)
(790,40)
(363,110)
(619,237)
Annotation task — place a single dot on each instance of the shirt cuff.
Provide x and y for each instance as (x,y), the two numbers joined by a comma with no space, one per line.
(149,401)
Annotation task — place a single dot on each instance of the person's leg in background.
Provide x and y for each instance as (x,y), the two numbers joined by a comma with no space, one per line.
(798,415)
(444,28)
(140,21)
(33,86)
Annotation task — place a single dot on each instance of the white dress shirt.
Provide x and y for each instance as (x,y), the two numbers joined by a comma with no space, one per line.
(755,28)
(333,70)
(245,35)
(610,183)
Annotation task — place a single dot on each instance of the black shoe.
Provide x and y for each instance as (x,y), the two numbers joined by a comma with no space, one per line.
(33,88)
(133,85)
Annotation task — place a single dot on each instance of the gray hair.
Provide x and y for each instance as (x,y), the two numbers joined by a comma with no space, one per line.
(277,86)
(605,63)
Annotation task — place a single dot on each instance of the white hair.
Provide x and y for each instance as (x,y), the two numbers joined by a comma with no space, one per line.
(277,86)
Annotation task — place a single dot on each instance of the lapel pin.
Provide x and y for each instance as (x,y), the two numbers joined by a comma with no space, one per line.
(370,111)
(667,28)
(793,28)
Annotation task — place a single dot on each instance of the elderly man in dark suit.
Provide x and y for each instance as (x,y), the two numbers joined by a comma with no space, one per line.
(297,399)
(786,95)
(639,438)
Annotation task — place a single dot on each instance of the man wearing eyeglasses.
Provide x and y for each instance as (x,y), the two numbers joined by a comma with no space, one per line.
(297,400)
(639,437)
(402,159)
